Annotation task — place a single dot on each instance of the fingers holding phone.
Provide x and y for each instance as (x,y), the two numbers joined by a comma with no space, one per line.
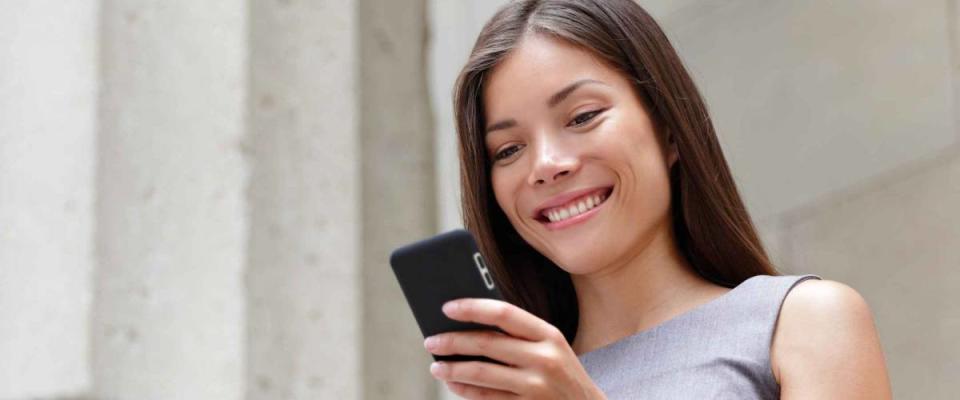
(538,363)
(484,346)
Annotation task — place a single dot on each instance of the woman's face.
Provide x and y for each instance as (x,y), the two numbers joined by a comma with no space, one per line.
(564,131)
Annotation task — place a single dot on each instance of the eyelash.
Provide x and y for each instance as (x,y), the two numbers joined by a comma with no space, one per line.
(588,116)
(499,156)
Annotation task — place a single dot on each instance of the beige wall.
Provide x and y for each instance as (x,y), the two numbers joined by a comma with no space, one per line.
(895,238)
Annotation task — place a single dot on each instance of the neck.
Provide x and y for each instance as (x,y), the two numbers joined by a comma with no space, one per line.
(637,292)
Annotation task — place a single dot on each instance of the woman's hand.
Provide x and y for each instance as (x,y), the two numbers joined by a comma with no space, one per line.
(540,363)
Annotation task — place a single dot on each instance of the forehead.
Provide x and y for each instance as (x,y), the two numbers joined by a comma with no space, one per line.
(538,67)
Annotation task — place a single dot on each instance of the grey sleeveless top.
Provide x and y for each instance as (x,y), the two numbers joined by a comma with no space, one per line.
(718,350)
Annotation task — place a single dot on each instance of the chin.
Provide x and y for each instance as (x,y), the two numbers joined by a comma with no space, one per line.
(576,264)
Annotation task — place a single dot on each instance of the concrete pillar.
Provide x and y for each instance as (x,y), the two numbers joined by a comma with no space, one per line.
(47,117)
(168,319)
(399,200)
(303,286)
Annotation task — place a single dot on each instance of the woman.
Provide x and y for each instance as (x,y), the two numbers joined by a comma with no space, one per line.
(596,187)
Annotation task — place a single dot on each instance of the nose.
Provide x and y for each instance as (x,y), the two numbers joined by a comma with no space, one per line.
(551,162)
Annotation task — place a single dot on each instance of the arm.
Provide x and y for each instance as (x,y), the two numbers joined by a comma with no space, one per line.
(825,345)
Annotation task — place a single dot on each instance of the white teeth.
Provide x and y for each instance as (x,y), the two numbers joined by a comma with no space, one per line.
(560,214)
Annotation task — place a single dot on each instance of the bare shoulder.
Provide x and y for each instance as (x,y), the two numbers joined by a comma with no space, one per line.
(826,345)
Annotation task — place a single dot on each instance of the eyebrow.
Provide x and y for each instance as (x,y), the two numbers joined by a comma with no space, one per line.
(557,98)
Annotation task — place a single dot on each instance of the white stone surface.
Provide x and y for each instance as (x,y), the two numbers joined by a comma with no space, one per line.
(47,111)
(169,311)
(398,189)
(303,279)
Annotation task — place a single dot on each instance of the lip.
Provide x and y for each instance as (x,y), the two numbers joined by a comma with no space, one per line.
(565,198)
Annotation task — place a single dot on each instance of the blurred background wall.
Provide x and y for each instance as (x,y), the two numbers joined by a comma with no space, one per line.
(197,199)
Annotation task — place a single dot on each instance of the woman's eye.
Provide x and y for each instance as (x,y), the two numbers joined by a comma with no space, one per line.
(583,118)
(507,152)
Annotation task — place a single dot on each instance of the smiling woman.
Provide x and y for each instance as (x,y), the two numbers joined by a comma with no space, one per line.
(596,187)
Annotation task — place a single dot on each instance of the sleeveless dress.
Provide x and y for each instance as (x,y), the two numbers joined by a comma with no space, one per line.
(718,350)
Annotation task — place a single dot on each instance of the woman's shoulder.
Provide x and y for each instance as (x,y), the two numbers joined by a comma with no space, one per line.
(825,343)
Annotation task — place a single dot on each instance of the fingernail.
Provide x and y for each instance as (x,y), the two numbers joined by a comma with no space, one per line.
(438,368)
(430,343)
(450,306)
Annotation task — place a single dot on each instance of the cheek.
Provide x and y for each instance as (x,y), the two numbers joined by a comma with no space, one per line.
(645,175)
(652,185)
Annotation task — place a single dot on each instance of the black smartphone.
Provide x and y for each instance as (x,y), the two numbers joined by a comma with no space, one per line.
(439,269)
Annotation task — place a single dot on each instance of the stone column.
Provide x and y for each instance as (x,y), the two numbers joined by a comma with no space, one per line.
(168,309)
(399,200)
(47,115)
(303,279)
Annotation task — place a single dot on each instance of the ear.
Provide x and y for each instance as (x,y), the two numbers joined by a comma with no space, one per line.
(672,154)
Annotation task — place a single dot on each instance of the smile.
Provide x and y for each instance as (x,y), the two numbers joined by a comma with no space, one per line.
(574,211)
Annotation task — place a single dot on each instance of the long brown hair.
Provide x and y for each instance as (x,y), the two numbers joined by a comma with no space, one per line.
(713,230)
